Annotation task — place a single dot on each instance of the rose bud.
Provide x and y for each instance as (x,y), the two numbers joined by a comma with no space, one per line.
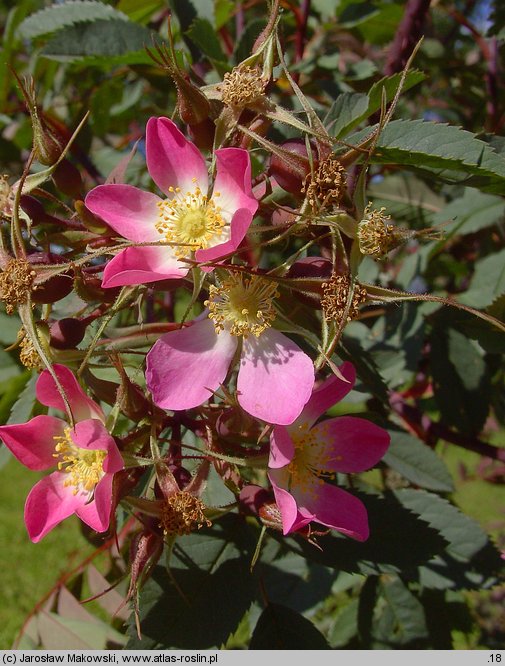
(67,333)
(67,179)
(58,286)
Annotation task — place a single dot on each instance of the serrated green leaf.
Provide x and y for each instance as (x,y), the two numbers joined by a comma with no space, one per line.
(65,14)
(472,212)
(351,108)
(292,580)
(10,393)
(61,633)
(24,405)
(488,281)
(280,628)
(245,43)
(464,536)
(111,38)
(470,561)
(346,112)
(140,11)
(345,626)
(451,152)
(381,27)
(418,463)
(461,382)
(223,10)
(203,35)
(401,618)
(9,327)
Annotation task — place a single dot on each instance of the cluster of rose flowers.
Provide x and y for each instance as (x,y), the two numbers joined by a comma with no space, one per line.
(232,349)
(252,399)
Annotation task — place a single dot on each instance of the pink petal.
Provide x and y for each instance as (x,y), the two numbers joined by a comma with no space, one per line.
(33,443)
(91,434)
(293,517)
(348,444)
(275,379)
(282,449)
(232,187)
(48,503)
(47,393)
(97,513)
(333,507)
(128,210)
(238,228)
(331,391)
(172,160)
(138,265)
(185,367)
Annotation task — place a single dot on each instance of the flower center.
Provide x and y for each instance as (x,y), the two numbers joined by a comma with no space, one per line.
(182,514)
(190,221)
(242,304)
(84,466)
(312,459)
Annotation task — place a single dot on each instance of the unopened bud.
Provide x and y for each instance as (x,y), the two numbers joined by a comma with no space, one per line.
(192,105)
(56,287)
(67,179)
(67,333)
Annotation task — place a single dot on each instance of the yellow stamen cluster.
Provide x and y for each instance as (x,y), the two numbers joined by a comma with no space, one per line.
(28,355)
(335,298)
(312,459)
(242,87)
(326,186)
(83,466)
(375,236)
(190,221)
(182,514)
(16,282)
(242,305)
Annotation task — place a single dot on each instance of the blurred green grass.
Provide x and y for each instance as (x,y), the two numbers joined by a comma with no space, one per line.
(27,570)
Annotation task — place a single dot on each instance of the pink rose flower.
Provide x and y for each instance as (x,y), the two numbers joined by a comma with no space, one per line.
(194,222)
(303,454)
(275,376)
(86,456)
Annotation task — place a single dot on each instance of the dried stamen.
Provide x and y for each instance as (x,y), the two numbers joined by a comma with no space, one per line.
(28,355)
(16,282)
(336,295)
(242,87)
(326,186)
(182,514)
